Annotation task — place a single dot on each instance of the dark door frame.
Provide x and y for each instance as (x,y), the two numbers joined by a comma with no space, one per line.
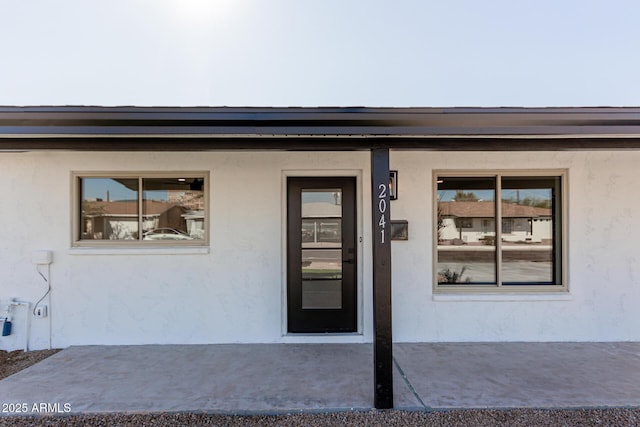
(345,319)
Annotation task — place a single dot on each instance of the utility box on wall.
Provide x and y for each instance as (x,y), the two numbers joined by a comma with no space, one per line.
(40,311)
(399,230)
(42,257)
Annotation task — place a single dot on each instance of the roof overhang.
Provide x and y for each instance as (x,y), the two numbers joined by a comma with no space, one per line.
(350,128)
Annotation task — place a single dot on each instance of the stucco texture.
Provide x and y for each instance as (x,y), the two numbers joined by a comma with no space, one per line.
(233,291)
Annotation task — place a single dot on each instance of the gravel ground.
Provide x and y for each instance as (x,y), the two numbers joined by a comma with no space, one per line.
(13,362)
(512,417)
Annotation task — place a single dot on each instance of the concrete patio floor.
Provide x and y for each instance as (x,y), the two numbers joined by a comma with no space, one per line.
(277,378)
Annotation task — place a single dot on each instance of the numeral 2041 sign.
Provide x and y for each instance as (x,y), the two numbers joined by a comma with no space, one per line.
(382,209)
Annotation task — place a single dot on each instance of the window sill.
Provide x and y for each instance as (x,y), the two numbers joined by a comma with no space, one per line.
(173,250)
(526,297)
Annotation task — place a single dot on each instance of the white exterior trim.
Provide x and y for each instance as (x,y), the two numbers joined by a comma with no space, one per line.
(357,173)
(563,173)
(522,297)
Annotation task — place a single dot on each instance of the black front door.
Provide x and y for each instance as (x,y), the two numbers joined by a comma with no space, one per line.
(321,255)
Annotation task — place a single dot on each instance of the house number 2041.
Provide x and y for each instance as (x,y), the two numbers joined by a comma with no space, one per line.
(382,208)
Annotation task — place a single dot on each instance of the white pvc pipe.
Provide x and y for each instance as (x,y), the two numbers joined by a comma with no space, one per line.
(26,321)
(49,298)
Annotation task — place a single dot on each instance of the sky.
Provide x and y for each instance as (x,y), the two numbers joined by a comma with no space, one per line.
(97,188)
(374,53)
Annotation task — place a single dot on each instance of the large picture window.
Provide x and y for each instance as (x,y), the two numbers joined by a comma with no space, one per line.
(499,232)
(143,209)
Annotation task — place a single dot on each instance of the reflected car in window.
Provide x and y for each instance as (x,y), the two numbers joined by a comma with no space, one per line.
(166,234)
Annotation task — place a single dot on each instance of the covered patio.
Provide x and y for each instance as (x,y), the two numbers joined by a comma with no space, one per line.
(283,378)
(412,376)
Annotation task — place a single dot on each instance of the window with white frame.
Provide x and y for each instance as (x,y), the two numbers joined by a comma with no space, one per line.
(140,209)
(499,231)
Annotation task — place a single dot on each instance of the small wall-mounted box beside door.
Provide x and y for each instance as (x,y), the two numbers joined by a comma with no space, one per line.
(399,229)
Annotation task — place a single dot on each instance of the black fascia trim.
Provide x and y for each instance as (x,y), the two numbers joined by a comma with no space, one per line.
(318,121)
(204,128)
(305,143)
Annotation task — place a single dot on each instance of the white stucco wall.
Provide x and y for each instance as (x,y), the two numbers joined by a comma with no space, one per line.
(604,285)
(234,291)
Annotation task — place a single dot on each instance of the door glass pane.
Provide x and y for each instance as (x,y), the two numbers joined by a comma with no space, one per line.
(109,209)
(321,278)
(321,249)
(528,224)
(330,230)
(466,231)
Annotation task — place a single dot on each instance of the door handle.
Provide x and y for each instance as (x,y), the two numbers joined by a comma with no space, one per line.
(348,261)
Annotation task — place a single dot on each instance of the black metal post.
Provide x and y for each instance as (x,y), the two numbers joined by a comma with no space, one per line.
(381,216)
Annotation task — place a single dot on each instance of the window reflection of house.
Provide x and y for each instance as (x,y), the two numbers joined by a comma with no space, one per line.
(474,222)
(321,223)
(118,220)
(189,199)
